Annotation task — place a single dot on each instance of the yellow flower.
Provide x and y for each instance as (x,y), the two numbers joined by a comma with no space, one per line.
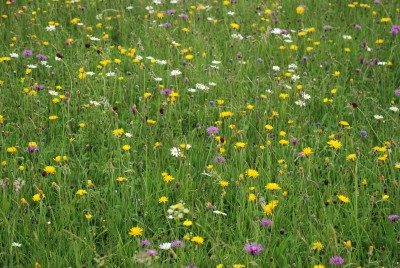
(224,183)
(300,10)
(385,197)
(252,173)
(351,157)
(344,199)
(319,266)
(187,223)
(136,231)
(307,151)
(151,122)
(38,197)
(269,127)
(126,147)
(81,192)
(189,57)
(344,123)
(272,186)
(88,216)
(335,144)
(53,117)
(197,239)
(226,114)
(168,178)
(163,199)
(240,145)
(121,179)
(235,26)
(283,142)
(118,132)
(11,150)
(252,197)
(317,246)
(268,208)
(50,169)
(347,243)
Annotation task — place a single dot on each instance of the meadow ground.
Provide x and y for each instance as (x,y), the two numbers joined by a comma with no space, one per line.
(181,133)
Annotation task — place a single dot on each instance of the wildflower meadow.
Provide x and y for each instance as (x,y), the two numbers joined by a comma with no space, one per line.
(210,133)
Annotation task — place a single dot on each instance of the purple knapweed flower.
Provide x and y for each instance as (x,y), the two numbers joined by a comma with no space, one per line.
(166,91)
(394,218)
(219,159)
(152,252)
(183,16)
(327,27)
(212,130)
(397,91)
(38,87)
(337,260)
(357,26)
(27,52)
(171,11)
(166,25)
(395,29)
(31,149)
(253,248)
(293,141)
(177,243)
(191,266)
(41,57)
(133,109)
(145,243)
(266,222)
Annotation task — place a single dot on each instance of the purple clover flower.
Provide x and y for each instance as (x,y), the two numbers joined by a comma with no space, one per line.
(212,130)
(27,52)
(152,252)
(31,149)
(395,29)
(253,248)
(145,243)
(394,218)
(337,260)
(166,91)
(266,222)
(171,11)
(219,159)
(177,243)
(41,57)
(38,87)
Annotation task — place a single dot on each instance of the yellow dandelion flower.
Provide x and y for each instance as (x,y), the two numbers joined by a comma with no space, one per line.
(81,192)
(136,231)
(272,186)
(197,239)
(344,198)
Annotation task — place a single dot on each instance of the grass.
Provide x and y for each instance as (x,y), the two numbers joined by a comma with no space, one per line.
(106,109)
